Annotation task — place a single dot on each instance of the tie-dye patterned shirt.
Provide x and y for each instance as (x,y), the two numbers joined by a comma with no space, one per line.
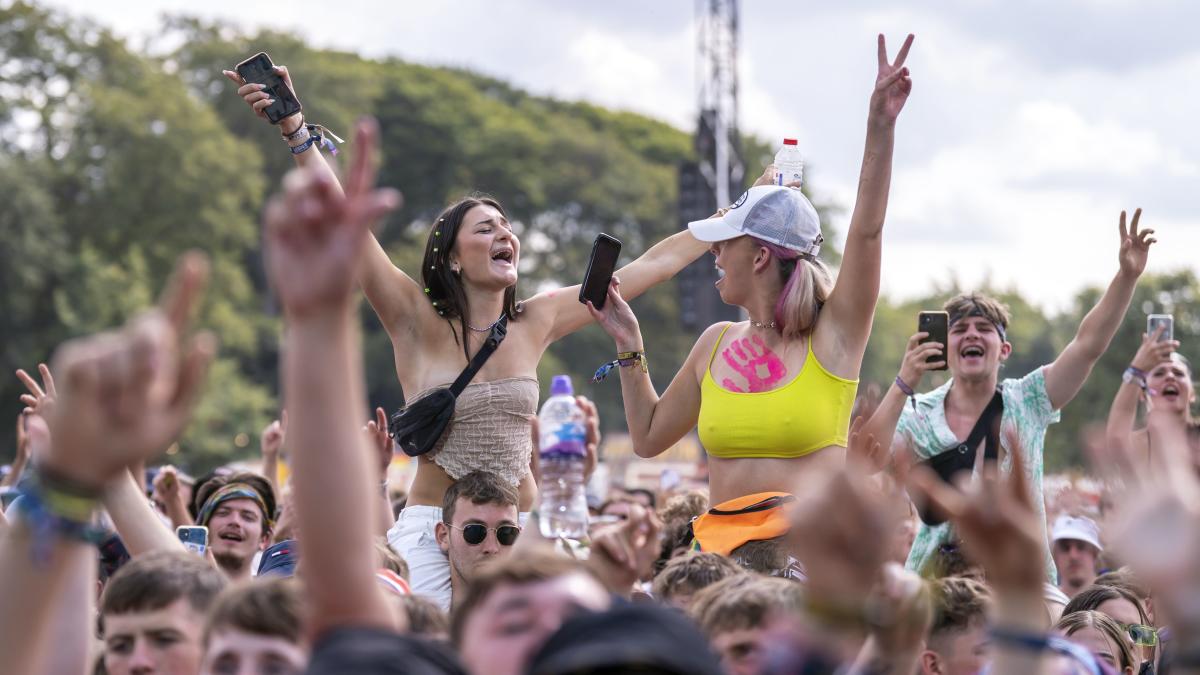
(1026,407)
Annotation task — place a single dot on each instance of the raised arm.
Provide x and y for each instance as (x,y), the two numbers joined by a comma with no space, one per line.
(655,423)
(1065,377)
(123,397)
(314,239)
(883,421)
(851,304)
(393,294)
(1123,412)
(564,314)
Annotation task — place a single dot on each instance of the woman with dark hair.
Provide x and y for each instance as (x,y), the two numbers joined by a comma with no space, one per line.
(771,397)
(438,320)
(1158,376)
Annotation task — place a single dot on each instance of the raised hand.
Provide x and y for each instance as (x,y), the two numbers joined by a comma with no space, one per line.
(125,396)
(623,553)
(914,365)
(618,320)
(864,454)
(591,422)
(259,100)
(381,443)
(273,436)
(1135,245)
(1153,351)
(892,84)
(315,235)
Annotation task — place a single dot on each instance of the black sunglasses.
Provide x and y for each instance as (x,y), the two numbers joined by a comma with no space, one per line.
(475,533)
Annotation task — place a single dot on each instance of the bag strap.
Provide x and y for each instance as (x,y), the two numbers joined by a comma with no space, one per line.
(499,330)
(987,428)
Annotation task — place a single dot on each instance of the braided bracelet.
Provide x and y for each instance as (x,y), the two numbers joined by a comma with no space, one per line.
(623,360)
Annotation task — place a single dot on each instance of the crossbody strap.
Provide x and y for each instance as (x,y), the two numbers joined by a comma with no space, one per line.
(494,338)
(987,428)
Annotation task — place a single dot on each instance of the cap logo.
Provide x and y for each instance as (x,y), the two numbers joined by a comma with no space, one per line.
(740,200)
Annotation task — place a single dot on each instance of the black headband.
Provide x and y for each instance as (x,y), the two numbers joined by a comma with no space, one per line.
(976,310)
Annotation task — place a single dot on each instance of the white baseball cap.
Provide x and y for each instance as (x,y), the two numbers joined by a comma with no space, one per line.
(773,213)
(1080,528)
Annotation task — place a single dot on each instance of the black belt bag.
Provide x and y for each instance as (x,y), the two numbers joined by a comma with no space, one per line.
(949,463)
(418,427)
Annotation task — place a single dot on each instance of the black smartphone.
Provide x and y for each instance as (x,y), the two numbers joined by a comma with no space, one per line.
(600,270)
(937,325)
(1167,321)
(258,69)
(194,538)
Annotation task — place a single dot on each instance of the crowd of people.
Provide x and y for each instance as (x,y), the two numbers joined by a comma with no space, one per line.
(914,538)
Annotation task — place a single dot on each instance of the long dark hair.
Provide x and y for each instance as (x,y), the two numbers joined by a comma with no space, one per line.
(443,287)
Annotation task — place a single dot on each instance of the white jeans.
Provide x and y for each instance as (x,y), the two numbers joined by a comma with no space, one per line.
(414,539)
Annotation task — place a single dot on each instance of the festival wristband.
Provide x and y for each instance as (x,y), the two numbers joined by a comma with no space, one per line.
(908,391)
(1134,375)
(623,360)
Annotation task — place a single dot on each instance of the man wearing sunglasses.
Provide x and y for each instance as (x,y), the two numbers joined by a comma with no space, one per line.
(479,523)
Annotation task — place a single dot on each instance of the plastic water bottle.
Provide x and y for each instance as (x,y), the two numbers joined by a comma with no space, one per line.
(789,165)
(563,510)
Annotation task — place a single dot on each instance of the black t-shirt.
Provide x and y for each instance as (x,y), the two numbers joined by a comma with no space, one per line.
(372,651)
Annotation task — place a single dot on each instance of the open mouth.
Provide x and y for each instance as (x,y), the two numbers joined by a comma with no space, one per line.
(502,255)
(971,351)
(1170,390)
(720,274)
(231,536)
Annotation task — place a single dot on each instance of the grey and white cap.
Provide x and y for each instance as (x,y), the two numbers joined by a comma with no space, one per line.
(773,213)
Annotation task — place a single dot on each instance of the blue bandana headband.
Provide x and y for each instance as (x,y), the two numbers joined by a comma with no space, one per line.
(233,491)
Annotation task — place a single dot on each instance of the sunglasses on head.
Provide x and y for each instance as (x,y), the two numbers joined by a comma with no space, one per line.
(1142,635)
(475,533)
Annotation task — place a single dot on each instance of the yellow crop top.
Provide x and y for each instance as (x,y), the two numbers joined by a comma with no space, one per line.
(809,413)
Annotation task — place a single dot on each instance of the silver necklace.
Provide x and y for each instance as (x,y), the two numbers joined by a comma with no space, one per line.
(758,324)
(482,330)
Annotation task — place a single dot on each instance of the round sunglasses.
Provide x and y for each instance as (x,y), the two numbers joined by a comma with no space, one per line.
(475,533)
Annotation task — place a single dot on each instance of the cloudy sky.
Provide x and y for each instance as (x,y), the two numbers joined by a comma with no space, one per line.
(1030,127)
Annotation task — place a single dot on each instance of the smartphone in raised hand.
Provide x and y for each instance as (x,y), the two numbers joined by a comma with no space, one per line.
(259,69)
(1166,320)
(937,325)
(194,538)
(601,266)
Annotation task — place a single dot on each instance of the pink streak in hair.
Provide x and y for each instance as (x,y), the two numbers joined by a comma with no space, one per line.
(783,254)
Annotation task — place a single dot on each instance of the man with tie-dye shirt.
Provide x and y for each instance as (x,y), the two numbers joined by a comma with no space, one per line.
(936,421)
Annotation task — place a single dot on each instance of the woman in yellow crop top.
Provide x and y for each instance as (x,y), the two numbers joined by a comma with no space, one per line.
(771,396)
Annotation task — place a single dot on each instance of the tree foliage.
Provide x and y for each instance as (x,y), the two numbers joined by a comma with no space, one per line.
(120,159)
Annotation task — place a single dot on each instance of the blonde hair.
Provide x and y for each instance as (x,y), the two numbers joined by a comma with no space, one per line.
(807,283)
(1075,621)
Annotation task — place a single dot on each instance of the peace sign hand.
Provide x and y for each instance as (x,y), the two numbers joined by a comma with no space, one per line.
(1135,245)
(314,233)
(892,84)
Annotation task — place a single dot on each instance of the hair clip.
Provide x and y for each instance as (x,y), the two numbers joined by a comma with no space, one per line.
(435,249)
(441,220)
(427,291)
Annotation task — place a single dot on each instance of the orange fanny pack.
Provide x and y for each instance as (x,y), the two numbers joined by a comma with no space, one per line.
(726,526)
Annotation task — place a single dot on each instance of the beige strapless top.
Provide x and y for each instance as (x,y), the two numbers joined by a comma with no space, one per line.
(490,429)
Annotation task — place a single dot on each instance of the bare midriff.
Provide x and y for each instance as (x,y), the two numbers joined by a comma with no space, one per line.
(735,477)
(431,482)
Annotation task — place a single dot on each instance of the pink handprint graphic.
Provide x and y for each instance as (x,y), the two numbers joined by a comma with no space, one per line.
(753,360)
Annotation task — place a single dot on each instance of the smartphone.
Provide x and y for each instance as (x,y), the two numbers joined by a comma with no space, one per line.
(1155,320)
(937,325)
(600,270)
(258,69)
(194,538)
